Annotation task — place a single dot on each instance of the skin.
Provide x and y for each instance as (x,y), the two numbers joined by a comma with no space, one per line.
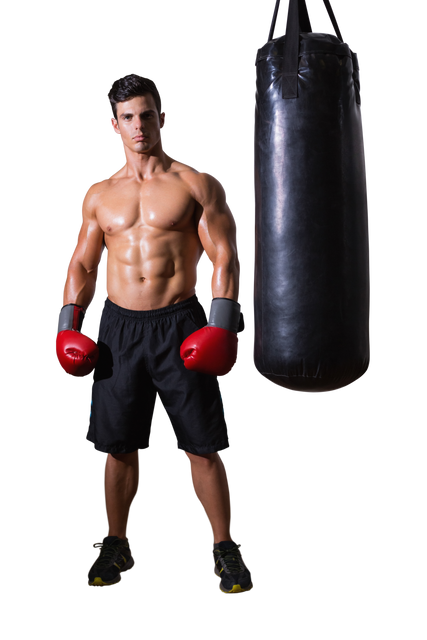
(155,216)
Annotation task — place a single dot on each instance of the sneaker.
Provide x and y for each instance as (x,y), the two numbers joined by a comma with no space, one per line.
(114,557)
(229,566)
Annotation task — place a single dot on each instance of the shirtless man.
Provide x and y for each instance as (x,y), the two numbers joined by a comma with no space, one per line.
(156,216)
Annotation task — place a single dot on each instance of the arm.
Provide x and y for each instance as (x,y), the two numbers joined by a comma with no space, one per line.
(83,269)
(77,353)
(217,233)
(213,348)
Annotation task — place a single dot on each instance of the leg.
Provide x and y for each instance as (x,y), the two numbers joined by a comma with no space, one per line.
(211,486)
(121,483)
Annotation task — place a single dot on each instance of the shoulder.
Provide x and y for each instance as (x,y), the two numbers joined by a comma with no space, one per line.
(92,196)
(203,187)
(100,188)
(195,179)
(101,184)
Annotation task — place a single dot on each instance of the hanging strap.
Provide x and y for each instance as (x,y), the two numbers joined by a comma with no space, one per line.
(304,20)
(298,21)
(290,53)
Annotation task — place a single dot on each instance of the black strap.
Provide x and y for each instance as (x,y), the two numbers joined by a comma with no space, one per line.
(290,53)
(304,20)
(298,21)
(333,20)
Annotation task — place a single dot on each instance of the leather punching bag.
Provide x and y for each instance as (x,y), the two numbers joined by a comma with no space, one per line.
(311,255)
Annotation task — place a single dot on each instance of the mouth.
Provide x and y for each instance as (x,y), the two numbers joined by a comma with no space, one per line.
(139,138)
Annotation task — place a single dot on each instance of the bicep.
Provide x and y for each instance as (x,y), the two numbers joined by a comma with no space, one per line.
(90,243)
(216,227)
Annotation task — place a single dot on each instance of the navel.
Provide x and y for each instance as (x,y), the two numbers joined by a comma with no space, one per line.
(142,279)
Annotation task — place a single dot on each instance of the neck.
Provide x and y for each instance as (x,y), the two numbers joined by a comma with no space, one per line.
(143,166)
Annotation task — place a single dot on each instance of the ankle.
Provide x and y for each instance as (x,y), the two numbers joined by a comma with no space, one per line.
(119,534)
(225,538)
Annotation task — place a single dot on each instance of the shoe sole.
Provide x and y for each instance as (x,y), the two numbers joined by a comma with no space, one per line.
(236,590)
(98,582)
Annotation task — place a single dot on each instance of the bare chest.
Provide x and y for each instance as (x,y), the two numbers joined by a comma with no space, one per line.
(160,204)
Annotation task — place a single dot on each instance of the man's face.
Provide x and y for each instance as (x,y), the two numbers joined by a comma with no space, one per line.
(139,123)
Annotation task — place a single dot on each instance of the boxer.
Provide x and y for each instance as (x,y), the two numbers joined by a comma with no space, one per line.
(156,216)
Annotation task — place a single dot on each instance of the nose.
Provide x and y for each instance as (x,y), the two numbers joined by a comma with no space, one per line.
(138,122)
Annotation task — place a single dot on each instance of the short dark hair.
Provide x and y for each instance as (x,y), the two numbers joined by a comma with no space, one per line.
(130,87)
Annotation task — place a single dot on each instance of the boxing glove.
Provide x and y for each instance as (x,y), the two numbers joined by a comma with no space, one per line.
(213,348)
(77,353)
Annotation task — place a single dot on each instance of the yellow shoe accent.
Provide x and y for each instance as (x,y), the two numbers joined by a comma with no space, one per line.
(98,582)
(237,589)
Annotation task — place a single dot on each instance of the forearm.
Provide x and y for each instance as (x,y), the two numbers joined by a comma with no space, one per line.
(80,285)
(225,280)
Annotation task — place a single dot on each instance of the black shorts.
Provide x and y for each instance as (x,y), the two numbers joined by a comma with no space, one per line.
(139,357)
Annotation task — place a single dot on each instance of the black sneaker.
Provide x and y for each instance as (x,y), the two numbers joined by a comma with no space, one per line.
(231,569)
(115,557)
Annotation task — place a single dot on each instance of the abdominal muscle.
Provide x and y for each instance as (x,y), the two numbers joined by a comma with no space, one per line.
(153,268)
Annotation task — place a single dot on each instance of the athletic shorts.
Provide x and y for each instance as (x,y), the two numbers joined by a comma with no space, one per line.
(138,359)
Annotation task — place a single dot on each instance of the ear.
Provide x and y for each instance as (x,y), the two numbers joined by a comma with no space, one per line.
(162,120)
(115,125)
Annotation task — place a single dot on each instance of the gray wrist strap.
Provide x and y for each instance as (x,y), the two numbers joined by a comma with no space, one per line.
(71,318)
(225,313)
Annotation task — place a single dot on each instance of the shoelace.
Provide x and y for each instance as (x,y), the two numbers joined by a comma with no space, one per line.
(231,559)
(108,553)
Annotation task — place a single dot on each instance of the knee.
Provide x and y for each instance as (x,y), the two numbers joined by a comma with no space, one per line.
(127,458)
(203,458)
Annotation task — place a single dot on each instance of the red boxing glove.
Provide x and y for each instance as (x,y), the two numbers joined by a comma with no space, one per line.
(213,349)
(77,353)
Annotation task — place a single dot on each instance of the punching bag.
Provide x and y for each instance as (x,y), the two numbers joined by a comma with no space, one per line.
(311,294)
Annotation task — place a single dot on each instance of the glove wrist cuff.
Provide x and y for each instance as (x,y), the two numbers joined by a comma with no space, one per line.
(71,318)
(225,313)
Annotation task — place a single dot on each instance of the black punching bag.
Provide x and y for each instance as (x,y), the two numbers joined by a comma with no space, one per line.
(311,256)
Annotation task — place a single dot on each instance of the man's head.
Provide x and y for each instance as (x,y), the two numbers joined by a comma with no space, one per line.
(130,87)
(137,113)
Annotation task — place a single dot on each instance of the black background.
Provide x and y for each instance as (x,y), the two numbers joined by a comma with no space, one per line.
(302,467)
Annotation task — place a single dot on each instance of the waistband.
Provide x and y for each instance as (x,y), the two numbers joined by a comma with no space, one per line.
(152,313)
